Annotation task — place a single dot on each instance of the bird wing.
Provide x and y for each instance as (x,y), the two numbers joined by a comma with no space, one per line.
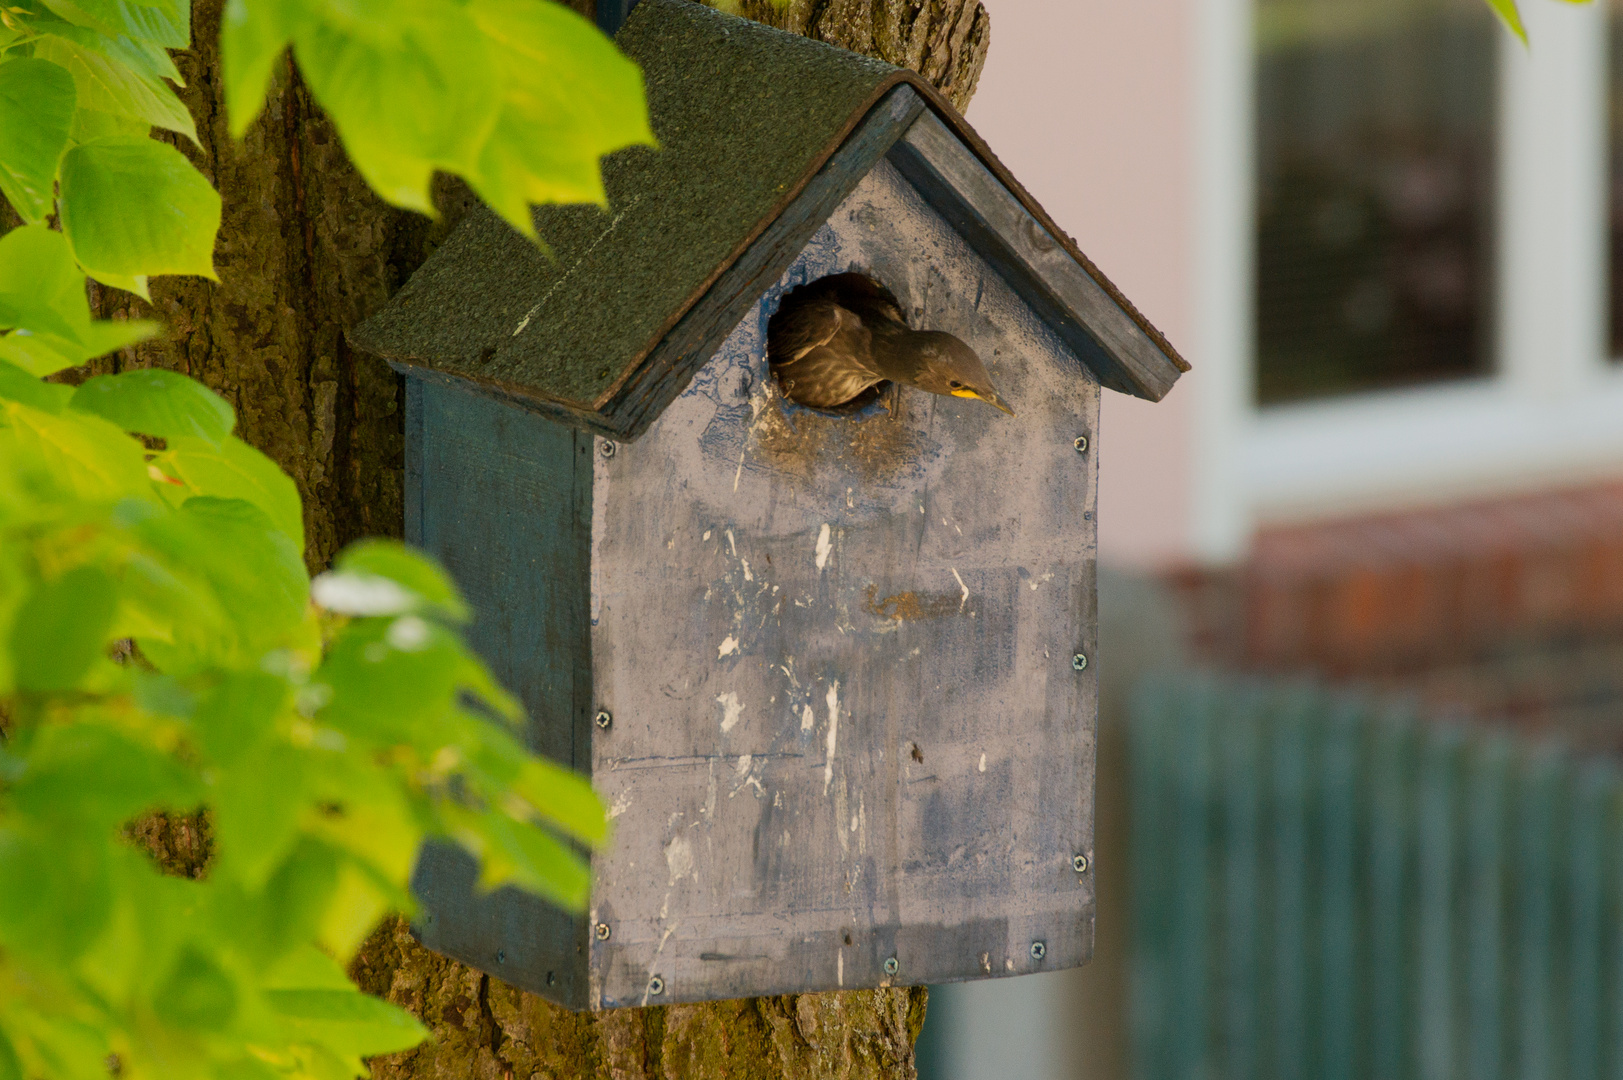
(794,331)
(866,297)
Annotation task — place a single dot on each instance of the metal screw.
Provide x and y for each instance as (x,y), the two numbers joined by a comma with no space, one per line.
(607,449)
(1078,661)
(604,719)
(656,986)
(891,965)
(501,957)
(1079,863)
(602,931)
(1038,950)
(1081,444)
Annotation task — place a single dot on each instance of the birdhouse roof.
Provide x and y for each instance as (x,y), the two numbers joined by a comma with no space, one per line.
(762,134)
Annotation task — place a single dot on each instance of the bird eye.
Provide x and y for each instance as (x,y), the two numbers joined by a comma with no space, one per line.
(954,384)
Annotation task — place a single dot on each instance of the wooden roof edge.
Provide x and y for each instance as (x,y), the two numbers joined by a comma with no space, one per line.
(952,166)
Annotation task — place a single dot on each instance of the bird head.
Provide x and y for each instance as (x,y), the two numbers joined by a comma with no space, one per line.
(948,366)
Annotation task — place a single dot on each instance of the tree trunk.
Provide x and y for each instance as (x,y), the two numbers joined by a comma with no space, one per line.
(306,251)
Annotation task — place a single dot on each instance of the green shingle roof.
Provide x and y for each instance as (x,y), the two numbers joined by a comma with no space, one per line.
(746,116)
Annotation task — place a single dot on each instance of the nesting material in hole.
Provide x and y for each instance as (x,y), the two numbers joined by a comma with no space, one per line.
(833,343)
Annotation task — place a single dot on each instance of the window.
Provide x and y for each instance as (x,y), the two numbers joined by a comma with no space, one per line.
(1375,158)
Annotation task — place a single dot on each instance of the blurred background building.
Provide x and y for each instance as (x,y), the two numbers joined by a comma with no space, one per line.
(1389,238)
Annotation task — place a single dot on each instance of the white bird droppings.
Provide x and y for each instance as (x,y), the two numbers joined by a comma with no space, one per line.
(833,700)
(808,719)
(744,763)
(825,546)
(983,763)
(679,859)
(964,599)
(729,645)
(731,710)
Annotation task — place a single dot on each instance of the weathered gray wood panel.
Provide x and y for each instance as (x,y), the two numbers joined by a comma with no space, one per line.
(501,496)
(1002,231)
(838,652)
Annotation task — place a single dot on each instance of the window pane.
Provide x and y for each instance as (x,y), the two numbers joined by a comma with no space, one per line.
(1375,149)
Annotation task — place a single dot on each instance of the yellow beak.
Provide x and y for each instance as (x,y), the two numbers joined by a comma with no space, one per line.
(993,401)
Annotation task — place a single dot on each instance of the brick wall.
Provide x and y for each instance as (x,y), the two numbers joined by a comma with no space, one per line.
(1511,609)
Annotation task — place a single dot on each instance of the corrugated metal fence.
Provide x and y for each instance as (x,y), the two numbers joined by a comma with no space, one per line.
(1327,888)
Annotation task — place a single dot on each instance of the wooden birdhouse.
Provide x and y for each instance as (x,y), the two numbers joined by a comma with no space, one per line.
(829,669)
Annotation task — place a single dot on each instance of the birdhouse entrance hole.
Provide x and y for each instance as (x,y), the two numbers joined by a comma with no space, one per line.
(798,328)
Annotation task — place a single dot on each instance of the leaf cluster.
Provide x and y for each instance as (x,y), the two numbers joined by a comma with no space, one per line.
(162,648)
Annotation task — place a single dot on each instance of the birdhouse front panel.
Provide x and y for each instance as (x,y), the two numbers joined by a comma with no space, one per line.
(843,657)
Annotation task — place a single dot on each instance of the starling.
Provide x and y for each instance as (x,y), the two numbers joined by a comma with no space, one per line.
(834,338)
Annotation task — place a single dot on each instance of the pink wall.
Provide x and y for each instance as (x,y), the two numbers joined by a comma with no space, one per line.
(1088,102)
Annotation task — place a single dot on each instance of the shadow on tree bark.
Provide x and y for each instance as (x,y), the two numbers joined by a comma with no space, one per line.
(306,251)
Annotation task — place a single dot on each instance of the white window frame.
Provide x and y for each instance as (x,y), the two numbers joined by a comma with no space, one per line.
(1553,411)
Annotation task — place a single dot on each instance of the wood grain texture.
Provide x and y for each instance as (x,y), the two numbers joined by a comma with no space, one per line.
(1108,339)
(945,41)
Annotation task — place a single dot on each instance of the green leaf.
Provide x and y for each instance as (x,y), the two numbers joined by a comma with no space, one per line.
(84,455)
(253,36)
(18,385)
(347,1022)
(45,291)
(136,206)
(10,1067)
(156,402)
(237,714)
(416,572)
(93,778)
(563,798)
(382,692)
(62,628)
(257,808)
(167,23)
(91,124)
(36,111)
(34,354)
(254,571)
(235,470)
(424,101)
(534,860)
(569,97)
(55,892)
(1510,16)
(109,85)
(197,994)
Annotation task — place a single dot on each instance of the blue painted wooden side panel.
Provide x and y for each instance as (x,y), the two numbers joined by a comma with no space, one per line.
(503,498)
(1359,894)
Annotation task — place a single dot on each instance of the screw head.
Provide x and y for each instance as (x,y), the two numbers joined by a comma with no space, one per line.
(656,986)
(1038,950)
(1078,662)
(607,449)
(602,931)
(891,965)
(1081,444)
(604,719)
(1079,863)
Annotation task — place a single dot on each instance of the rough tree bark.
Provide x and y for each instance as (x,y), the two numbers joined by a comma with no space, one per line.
(306,251)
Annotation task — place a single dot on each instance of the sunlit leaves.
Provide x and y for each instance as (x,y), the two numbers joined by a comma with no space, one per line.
(42,300)
(108,84)
(136,206)
(521,97)
(232,469)
(568,98)
(61,629)
(160,403)
(37,100)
